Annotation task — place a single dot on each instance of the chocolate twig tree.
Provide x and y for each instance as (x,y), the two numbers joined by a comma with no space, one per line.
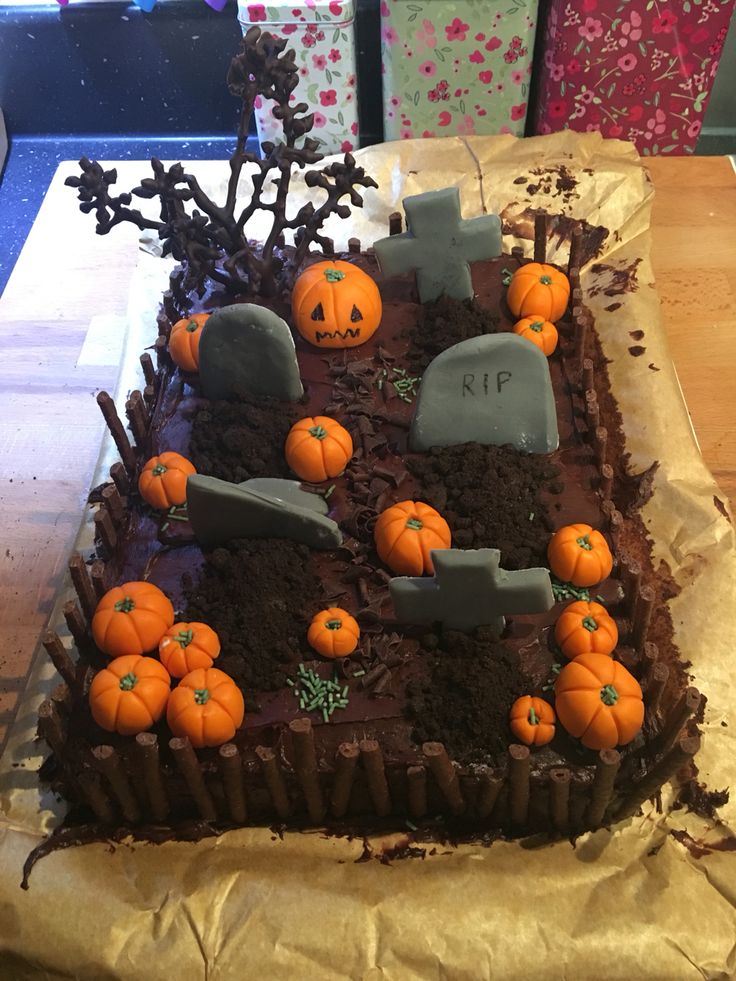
(211,240)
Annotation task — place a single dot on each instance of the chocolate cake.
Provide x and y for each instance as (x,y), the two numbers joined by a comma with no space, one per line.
(413,727)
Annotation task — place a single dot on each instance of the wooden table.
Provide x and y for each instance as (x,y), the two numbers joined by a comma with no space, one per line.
(66,301)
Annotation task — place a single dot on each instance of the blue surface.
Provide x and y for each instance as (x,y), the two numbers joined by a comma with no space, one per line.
(32,161)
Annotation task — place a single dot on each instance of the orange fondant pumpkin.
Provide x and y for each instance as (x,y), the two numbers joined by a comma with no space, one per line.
(188,646)
(130,694)
(540,332)
(317,448)
(131,619)
(333,633)
(532,721)
(405,535)
(579,555)
(584,628)
(163,480)
(599,702)
(206,706)
(336,304)
(538,290)
(184,341)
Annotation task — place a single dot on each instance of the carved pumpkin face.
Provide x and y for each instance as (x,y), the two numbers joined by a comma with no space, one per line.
(336,304)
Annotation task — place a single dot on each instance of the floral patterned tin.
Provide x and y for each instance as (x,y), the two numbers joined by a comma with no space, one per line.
(322,33)
(456,67)
(640,70)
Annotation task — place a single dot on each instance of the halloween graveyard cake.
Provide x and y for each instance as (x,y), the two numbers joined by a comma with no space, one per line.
(372,554)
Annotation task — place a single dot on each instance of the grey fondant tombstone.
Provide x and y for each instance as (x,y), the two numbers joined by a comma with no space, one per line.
(439,244)
(470,590)
(220,511)
(248,349)
(493,389)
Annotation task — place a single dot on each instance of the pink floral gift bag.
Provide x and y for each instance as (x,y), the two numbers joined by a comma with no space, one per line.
(640,70)
(456,67)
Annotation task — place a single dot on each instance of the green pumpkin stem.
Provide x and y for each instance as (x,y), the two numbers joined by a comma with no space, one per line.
(191,326)
(128,682)
(334,275)
(532,718)
(584,543)
(590,624)
(125,605)
(415,524)
(201,696)
(319,432)
(537,326)
(184,638)
(609,695)
(333,624)
(158,470)
(545,280)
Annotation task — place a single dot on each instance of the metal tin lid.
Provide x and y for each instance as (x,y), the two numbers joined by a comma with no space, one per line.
(296,12)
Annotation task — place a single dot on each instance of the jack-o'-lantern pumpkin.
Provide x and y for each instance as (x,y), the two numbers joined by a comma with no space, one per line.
(336,304)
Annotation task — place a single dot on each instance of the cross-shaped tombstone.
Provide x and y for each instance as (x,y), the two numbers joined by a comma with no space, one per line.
(469,590)
(439,244)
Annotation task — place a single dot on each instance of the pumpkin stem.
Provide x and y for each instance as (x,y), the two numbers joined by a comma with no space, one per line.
(184,638)
(125,605)
(536,326)
(334,275)
(415,524)
(584,542)
(545,280)
(201,696)
(609,695)
(333,624)
(319,432)
(128,682)
(532,718)
(590,624)
(158,470)
(191,326)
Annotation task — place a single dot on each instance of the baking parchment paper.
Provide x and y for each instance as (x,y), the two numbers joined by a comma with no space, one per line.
(633,901)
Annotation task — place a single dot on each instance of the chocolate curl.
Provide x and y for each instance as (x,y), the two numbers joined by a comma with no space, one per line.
(519,770)
(135,409)
(656,685)
(231,769)
(517,252)
(60,656)
(631,575)
(146,747)
(588,375)
(117,431)
(559,798)
(162,352)
(576,251)
(648,660)
(592,411)
(97,575)
(445,775)
(395,223)
(678,756)
(149,397)
(62,699)
(305,766)
(616,524)
(149,372)
(581,338)
(274,779)
(83,585)
(186,760)
(120,478)
(372,760)
(609,761)
(107,761)
(51,728)
(96,798)
(416,787)
(642,616)
(346,760)
(490,788)
(77,626)
(104,528)
(601,441)
(114,504)
(687,706)
(540,236)
(606,481)
(371,677)
(354,245)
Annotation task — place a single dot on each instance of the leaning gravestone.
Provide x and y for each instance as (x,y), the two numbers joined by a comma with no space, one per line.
(259,508)
(246,349)
(493,389)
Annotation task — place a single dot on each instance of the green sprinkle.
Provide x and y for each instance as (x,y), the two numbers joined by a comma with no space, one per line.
(325,715)
(329,491)
(290,683)
(358,674)
(531,516)
(411,826)
(600,599)
(164,526)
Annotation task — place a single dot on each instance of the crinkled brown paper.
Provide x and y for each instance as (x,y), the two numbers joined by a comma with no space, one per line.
(628,903)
